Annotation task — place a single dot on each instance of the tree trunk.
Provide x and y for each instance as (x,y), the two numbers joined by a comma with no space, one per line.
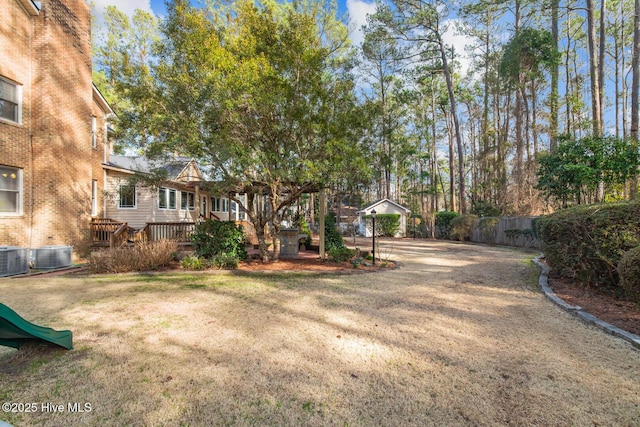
(593,71)
(635,87)
(454,117)
(553,97)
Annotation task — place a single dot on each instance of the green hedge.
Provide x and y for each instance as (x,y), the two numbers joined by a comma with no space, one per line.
(386,224)
(587,242)
(461,227)
(443,223)
(629,271)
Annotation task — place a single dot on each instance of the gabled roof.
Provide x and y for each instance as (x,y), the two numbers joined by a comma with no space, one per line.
(177,168)
(379,202)
(100,100)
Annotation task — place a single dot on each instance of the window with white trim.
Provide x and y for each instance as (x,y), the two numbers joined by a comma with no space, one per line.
(10,101)
(187,201)
(127,197)
(219,204)
(166,198)
(10,191)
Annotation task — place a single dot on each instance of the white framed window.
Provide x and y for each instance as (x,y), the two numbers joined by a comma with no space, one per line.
(94,197)
(187,201)
(10,191)
(219,204)
(94,132)
(127,197)
(166,198)
(10,101)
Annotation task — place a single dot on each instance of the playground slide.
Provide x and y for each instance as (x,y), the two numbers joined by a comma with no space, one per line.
(14,331)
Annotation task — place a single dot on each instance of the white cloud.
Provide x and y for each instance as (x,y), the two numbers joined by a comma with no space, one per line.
(125,6)
(460,42)
(358,11)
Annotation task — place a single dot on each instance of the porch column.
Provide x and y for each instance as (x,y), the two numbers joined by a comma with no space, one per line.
(197,202)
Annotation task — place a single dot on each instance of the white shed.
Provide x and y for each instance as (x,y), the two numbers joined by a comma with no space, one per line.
(384,206)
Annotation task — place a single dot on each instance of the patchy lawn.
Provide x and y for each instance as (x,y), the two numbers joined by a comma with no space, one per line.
(458,335)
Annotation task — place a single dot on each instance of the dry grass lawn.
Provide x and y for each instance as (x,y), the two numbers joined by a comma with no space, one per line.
(459,335)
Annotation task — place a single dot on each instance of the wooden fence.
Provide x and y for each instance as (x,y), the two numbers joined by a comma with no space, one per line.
(510,231)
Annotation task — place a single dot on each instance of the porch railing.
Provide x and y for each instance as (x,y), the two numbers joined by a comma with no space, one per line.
(102,230)
(180,231)
(106,232)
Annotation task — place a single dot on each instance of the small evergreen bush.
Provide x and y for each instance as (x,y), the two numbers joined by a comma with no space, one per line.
(211,238)
(443,223)
(193,262)
(341,254)
(332,238)
(225,261)
(461,227)
(629,272)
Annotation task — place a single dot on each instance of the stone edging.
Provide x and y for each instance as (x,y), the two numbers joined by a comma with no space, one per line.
(543,282)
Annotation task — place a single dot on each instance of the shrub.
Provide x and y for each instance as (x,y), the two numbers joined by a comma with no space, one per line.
(341,254)
(629,272)
(143,256)
(332,238)
(225,261)
(587,242)
(193,262)
(461,227)
(386,224)
(305,229)
(443,223)
(211,238)
(488,227)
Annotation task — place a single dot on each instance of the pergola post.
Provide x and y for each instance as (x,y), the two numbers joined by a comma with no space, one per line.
(322,212)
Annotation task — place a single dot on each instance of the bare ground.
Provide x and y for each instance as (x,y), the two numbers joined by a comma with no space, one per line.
(459,335)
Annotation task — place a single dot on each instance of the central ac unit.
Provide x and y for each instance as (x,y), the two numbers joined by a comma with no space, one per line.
(13,260)
(51,257)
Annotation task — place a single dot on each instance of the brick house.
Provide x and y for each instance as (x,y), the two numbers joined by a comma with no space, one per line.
(53,126)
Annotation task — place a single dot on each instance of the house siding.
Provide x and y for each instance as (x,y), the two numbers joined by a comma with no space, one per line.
(146,209)
(49,54)
(390,208)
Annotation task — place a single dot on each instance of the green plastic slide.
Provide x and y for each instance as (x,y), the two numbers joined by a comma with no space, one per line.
(15,331)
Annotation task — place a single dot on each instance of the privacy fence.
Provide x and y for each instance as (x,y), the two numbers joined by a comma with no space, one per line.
(510,231)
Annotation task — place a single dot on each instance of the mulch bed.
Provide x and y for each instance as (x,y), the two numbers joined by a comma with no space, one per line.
(623,314)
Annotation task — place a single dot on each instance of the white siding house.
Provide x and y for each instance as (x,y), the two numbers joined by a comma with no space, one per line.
(178,199)
(384,206)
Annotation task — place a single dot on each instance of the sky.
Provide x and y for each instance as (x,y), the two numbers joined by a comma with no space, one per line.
(357,11)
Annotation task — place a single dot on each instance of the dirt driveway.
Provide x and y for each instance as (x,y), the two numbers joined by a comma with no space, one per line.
(459,335)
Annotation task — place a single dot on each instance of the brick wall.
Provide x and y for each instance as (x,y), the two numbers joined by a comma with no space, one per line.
(49,54)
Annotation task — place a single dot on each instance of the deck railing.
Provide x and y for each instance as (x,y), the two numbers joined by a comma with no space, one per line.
(106,232)
(102,229)
(180,231)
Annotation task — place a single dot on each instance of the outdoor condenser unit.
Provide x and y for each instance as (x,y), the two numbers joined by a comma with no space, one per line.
(51,257)
(13,260)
